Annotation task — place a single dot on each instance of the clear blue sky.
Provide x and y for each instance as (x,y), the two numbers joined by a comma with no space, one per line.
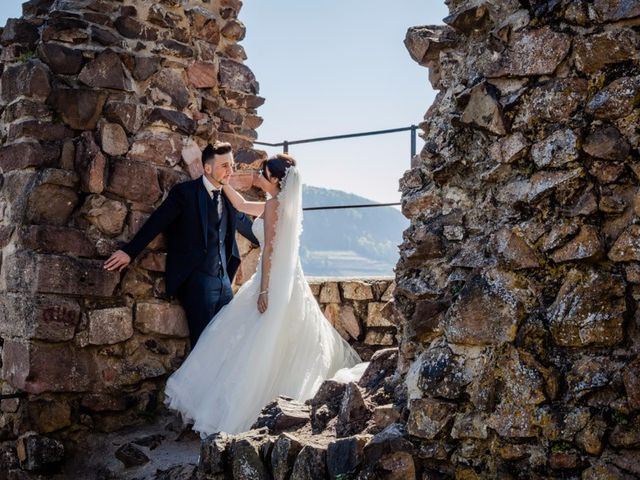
(336,67)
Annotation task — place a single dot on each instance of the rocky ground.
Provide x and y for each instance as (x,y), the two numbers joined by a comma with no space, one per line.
(164,449)
(332,435)
(346,431)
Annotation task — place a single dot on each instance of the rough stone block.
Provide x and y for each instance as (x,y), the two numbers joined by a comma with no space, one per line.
(39,273)
(109,325)
(161,318)
(43,317)
(134,181)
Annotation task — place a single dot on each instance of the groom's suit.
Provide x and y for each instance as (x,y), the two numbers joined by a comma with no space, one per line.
(202,253)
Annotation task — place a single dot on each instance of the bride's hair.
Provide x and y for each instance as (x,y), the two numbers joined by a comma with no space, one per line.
(278,165)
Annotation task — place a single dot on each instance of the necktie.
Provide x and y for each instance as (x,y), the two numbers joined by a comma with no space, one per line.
(216,201)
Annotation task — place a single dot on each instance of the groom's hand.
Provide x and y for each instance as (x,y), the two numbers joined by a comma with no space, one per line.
(117,261)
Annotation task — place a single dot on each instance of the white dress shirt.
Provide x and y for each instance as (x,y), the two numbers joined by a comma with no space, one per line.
(210,189)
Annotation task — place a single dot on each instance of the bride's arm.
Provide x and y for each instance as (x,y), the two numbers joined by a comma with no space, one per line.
(239,203)
(270,220)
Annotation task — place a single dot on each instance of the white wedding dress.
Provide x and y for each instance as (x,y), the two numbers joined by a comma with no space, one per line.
(245,359)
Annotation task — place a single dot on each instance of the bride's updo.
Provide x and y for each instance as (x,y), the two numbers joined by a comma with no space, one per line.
(278,165)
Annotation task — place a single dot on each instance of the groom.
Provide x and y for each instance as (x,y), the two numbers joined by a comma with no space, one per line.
(199,223)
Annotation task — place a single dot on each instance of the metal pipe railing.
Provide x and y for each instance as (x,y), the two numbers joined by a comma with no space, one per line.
(413,129)
(367,205)
(286,143)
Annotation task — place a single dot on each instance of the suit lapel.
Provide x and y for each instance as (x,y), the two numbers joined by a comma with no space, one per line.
(231,213)
(231,217)
(203,201)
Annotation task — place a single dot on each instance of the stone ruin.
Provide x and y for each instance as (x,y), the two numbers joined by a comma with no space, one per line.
(519,277)
(518,280)
(105,105)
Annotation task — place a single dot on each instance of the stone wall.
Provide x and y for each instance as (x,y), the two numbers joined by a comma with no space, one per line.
(360,310)
(517,288)
(518,279)
(105,105)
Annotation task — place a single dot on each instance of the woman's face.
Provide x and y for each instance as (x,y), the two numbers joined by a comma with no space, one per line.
(264,181)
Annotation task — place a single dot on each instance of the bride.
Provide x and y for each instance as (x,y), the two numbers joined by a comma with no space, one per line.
(272,338)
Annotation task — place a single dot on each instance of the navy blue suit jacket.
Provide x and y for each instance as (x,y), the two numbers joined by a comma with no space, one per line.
(182,217)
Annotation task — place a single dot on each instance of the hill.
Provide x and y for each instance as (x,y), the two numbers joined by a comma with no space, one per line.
(349,242)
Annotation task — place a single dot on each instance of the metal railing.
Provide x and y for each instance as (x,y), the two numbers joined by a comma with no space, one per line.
(413,129)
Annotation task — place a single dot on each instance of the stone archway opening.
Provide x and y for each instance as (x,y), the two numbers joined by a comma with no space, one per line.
(516,285)
(105,105)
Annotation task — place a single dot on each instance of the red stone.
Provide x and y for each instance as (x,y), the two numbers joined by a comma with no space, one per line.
(47,367)
(26,154)
(425,43)
(25,108)
(174,120)
(145,67)
(168,87)
(104,37)
(62,60)
(587,245)
(169,177)
(156,262)
(242,100)
(589,310)
(44,317)
(51,239)
(36,7)
(51,204)
(173,48)
(242,180)
(613,10)
(161,318)
(113,139)
(29,79)
(515,251)
(106,71)
(134,181)
(129,116)
(38,130)
(607,143)
(238,77)
(161,148)
(554,100)
(488,310)
(79,108)
(103,402)
(203,75)
(18,30)
(234,30)
(204,25)
(132,28)
(66,29)
(105,214)
(36,273)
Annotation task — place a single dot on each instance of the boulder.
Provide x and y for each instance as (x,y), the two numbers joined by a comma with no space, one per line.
(589,310)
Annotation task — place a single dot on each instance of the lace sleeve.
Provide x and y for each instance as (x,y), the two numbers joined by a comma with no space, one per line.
(282,242)
(269,223)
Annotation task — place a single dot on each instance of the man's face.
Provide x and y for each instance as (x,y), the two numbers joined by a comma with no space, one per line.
(220,168)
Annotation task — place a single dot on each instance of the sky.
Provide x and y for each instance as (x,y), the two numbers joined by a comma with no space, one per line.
(336,67)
